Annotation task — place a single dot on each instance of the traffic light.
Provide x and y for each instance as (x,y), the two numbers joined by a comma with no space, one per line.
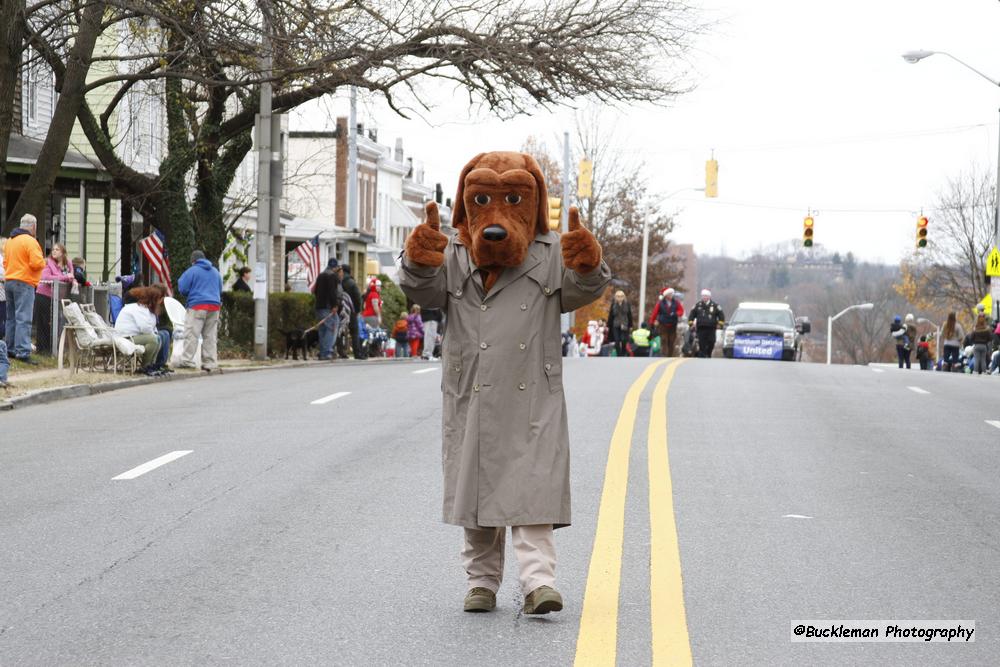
(585,179)
(555,213)
(807,231)
(711,178)
(922,231)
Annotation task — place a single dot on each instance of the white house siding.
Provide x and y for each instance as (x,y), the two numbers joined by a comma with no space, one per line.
(310,172)
(95,236)
(38,97)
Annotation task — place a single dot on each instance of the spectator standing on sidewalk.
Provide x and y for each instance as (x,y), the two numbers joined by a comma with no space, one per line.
(666,313)
(981,337)
(80,271)
(620,323)
(372,313)
(3,292)
(899,335)
(58,269)
(951,343)
(241,284)
(23,264)
(201,283)
(327,291)
(414,330)
(432,319)
(400,331)
(350,287)
(4,364)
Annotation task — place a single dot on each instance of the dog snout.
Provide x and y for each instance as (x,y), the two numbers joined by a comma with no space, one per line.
(494,233)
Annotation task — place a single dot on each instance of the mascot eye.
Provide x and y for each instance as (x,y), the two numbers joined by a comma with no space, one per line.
(513,199)
(482,199)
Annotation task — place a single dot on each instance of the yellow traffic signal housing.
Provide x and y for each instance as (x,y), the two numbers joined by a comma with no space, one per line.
(922,231)
(555,213)
(711,178)
(585,179)
(807,231)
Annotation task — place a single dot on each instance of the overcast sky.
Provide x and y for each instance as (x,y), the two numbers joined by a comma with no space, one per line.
(807,104)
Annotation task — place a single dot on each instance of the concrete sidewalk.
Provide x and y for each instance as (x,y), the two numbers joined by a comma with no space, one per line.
(32,387)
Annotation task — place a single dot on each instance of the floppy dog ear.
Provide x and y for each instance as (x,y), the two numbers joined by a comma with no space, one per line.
(459,218)
(542,217)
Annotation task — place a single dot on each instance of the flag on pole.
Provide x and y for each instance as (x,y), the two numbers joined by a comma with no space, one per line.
(309,252)
(153,248)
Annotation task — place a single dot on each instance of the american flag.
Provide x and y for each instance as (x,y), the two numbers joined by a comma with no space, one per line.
(309,252)
(153,248)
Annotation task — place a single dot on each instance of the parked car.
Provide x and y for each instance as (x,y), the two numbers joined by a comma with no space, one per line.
(764,331)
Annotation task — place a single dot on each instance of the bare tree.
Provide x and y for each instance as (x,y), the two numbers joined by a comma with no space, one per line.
(619,203)
(509,57)
(862,336)
(11,47)
(951,272)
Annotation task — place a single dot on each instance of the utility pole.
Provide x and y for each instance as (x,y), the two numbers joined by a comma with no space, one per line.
(352,163)
(995,282)
(263,239)
(567,318)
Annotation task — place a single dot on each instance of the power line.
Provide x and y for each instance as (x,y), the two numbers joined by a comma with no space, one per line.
(801,209)
(833,141)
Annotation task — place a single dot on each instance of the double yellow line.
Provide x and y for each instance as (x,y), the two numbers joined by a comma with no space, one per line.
(598,638)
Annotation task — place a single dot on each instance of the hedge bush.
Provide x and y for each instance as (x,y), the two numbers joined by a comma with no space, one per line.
(393,301)
(286,311)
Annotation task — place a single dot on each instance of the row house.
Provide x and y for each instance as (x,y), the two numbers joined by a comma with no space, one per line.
(391,195)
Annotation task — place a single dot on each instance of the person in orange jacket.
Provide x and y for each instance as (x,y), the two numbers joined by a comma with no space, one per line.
(23,263)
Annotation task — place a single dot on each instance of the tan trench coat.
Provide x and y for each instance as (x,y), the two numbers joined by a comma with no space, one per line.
(506,440)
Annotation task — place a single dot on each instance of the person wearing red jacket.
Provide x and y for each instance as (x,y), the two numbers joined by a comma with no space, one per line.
(666,314)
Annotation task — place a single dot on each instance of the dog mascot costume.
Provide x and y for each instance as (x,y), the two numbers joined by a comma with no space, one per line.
(504,279)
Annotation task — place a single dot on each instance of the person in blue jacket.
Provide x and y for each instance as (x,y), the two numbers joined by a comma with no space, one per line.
(201,284)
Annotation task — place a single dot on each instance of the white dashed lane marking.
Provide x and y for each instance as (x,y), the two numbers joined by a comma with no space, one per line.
(331,397)
(918,390)
(427,370)
(993,422)
(152,465)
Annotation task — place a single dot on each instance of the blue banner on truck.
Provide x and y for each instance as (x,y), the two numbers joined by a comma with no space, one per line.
(757,347)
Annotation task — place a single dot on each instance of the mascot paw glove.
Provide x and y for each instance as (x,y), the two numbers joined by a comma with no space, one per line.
(426,244)
(580,250)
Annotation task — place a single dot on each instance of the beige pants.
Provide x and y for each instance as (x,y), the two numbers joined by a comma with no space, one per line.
(204,323)
(533,546)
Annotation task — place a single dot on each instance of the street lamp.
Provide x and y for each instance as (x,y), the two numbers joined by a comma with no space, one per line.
(914,57)
(645,252)
(937,335)
(831,320)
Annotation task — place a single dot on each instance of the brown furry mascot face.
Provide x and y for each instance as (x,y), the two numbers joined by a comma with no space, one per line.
(500,206)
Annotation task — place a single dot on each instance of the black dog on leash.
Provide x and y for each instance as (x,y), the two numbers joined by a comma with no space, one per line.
(302,340)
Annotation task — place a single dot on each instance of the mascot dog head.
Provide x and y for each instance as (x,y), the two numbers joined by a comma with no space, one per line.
(500,206)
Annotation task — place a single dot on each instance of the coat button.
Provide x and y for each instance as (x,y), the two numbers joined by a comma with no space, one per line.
(483,346)
(458,292)
(482,307)
(547,290)
(457,368)
(475,388)
(548,367)
(523,346)
(521,386)
(524,306)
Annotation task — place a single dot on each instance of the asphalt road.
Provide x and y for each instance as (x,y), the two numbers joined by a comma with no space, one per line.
(299,533)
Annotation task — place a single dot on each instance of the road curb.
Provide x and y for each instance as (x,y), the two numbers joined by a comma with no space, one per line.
(55,394)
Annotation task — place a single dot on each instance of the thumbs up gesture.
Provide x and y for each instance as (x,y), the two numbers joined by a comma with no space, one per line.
(426,244)
(580,250)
